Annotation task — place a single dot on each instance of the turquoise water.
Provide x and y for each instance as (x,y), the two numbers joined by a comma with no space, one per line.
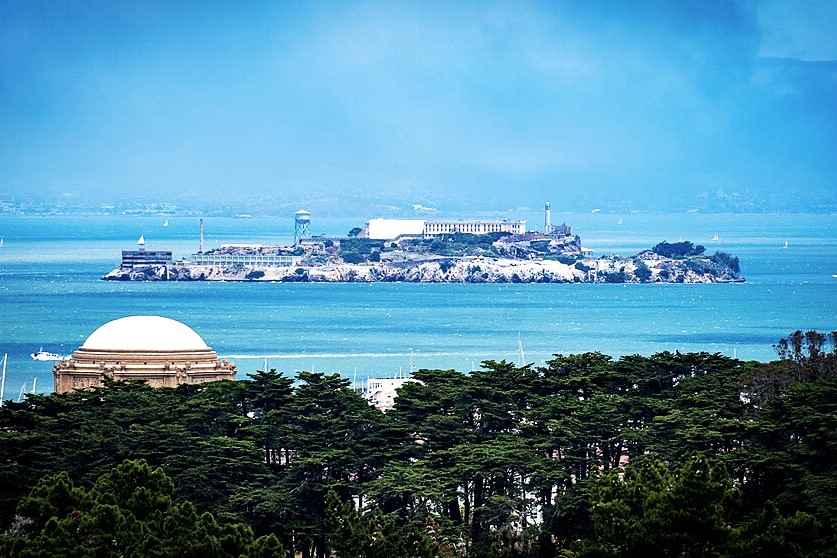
(51,297)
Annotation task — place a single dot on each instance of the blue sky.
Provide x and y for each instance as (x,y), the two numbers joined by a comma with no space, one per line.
(486,105)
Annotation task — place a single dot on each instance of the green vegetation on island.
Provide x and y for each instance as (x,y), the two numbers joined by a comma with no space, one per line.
(675,454)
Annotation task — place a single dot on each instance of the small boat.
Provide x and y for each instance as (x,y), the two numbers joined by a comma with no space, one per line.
(166,223)
(44,355)
(716,237)
(786,244)
(1,242)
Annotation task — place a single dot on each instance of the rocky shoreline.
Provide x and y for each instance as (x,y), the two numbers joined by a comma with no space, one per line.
(646,267)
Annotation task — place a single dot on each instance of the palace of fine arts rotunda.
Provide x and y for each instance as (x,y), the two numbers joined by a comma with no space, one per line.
(160,351)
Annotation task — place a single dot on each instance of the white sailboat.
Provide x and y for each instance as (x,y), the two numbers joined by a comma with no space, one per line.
(520,350)
(166,223)
(716,237)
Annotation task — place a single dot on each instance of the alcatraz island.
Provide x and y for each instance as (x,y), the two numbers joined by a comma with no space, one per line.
(432,251)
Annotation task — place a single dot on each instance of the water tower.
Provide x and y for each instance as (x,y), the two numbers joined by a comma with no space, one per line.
(302,225)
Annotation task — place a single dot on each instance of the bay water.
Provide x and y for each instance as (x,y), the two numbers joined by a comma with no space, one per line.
(52,298)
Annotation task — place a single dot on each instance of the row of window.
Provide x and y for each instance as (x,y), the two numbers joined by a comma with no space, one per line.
(243,259)
(474,228)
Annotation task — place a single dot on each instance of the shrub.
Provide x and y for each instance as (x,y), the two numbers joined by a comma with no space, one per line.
(353,257)
(539,245)
(566,259)
(697,267)
(678,249)
(581,266)
(617,277)
(643,273)
(726,260)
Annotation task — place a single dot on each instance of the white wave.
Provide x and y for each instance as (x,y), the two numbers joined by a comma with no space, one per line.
(335,355)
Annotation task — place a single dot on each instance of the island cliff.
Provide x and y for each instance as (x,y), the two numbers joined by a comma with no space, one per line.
(512,263)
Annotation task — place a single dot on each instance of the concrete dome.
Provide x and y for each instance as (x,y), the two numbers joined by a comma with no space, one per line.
(144,333)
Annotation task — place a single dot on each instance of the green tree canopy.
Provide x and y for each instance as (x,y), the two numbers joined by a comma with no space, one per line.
(128,512)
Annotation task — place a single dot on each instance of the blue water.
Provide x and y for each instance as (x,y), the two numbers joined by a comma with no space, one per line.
(51,297)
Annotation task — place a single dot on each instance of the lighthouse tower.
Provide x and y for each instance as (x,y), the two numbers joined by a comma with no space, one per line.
(547,219)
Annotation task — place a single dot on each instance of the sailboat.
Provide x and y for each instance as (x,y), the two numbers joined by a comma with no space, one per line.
(1,242)
(786,244)
(520,350)
(166,223)
(716,237)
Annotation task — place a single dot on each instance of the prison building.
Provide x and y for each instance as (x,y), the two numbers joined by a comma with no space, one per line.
(437,228)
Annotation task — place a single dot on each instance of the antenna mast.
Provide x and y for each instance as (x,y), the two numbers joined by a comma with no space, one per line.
(200,251)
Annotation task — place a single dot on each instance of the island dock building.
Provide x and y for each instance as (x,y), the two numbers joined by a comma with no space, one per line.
(145,258)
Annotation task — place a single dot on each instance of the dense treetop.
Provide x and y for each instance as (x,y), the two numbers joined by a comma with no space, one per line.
(674,454)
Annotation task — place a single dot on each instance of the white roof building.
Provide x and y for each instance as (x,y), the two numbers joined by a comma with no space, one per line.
(386,229)
(161,351)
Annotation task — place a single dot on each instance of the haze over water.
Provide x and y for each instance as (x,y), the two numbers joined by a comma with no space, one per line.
(52,297)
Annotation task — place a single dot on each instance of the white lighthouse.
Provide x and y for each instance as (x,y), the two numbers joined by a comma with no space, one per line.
(547,219)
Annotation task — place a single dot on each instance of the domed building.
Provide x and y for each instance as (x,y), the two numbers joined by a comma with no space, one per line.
(161,351)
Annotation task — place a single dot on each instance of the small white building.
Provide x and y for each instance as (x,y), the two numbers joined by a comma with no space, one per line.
(381,392)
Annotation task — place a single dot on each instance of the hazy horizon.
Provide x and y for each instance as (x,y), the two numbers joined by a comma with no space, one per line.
(711,106)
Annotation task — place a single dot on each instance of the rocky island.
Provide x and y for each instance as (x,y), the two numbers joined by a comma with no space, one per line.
(497,257)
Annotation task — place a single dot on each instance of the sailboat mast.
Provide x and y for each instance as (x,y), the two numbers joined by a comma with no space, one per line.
(520,348)
(3,380)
